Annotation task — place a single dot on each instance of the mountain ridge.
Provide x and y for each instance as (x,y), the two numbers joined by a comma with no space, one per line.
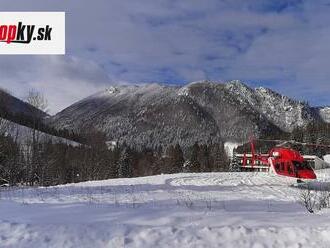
(203,111)
(159,114)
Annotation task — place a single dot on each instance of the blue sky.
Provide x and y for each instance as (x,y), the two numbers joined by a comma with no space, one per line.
(283,45)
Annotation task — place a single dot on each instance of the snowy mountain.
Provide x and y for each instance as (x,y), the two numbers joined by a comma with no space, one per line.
(154,114)
(160,115)
(282,111)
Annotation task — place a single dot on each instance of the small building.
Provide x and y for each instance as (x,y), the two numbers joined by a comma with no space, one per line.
(257,166)
(315,162)
(111,144)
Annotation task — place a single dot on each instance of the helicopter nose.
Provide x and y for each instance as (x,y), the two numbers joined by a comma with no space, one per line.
(307,174)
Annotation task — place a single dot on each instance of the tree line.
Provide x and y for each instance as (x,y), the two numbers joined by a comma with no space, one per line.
(317,133)
(45,163)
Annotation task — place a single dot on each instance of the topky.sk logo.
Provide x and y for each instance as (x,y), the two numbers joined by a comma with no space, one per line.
(32,33)
(21,33)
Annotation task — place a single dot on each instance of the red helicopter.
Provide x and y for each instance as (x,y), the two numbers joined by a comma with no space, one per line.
(282,160)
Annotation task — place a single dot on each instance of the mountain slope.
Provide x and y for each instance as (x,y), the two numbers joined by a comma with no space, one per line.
(160,115)
(23,135)
(282,111)
(22,117)
(150,114)
(324,113)
(12,106)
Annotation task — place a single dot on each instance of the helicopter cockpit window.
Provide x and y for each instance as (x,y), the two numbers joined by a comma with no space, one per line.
(303,165)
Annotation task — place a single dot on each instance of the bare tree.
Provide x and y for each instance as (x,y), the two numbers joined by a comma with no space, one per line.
(308,200)
(4,126)
(37,100)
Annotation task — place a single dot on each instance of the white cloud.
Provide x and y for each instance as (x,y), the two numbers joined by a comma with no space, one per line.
(283,44)
(63,80)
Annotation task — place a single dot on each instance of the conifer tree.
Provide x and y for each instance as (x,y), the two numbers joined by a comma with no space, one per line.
(204,158)
(194,165)
(125,164)
(176,159)
(234,166)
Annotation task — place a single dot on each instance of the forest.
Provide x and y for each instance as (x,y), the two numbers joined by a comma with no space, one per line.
(316,133)
(46,163)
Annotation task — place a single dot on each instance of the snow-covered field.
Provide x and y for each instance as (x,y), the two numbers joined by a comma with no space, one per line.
(180,210)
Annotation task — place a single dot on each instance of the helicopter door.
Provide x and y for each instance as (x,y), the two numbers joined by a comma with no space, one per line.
(282,167)
(290,168)
(277,167)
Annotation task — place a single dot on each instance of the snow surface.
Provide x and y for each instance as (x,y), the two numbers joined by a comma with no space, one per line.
(179,210)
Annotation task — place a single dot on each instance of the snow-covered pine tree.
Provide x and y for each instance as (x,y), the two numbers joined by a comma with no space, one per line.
(177,159)
(194,165)
(125,164)
(234,166)
(114,162)
(204,158)
(174,159)
(218,157)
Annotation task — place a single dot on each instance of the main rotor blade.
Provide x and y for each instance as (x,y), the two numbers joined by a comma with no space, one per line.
(283,142)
